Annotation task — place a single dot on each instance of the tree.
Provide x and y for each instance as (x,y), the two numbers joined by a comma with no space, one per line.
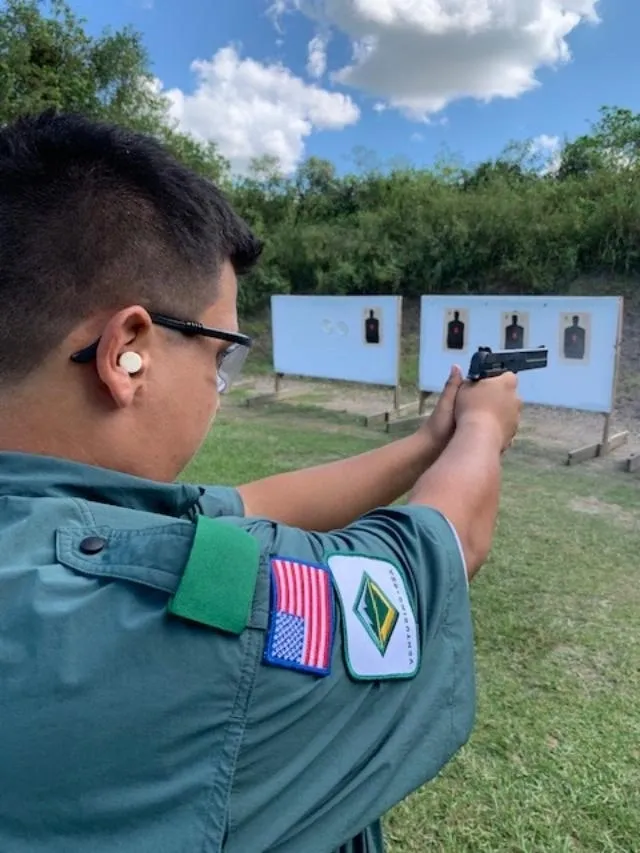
(491,171)
(613,144)
(617,134)
(48,60)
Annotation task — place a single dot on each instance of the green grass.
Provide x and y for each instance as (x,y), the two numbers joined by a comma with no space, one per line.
(553,765)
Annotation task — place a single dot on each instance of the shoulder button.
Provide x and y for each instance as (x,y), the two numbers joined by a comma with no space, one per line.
(93,545)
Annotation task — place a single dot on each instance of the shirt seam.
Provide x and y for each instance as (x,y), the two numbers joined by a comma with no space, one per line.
(235,731)
(452,581)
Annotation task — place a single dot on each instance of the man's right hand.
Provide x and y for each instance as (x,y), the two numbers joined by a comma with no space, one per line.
(491,401)
(464,483)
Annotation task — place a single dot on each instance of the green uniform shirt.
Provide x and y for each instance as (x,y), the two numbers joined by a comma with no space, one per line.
(159,696)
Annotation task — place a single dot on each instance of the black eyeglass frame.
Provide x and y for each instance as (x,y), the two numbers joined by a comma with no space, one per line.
(185,327)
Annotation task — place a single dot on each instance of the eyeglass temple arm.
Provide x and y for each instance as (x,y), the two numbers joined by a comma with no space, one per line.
(86,355)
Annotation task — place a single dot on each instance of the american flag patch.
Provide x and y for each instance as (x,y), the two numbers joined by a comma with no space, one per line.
(301,626)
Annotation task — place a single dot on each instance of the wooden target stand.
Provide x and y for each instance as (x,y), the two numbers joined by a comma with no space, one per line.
(632,463)
(399,424)
(280,393)
(608,443)
(392,415)
(395,411)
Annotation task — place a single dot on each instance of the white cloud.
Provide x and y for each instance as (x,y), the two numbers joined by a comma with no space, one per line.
(545,144)
(547,151)
(276,10)
(420,55)
(317,63)
(250,109)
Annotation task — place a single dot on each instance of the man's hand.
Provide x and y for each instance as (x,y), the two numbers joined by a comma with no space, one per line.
(464,483)
(491,402)
(439,427)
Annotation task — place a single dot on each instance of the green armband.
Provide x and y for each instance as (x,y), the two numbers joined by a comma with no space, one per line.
(218,583)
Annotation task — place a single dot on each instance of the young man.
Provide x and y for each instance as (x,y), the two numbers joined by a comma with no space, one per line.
(270,668)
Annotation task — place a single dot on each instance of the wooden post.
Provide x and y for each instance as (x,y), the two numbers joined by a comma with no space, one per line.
(396,390)
(609,442)
(604,444)
(279,393)
(424,395)
(633,463)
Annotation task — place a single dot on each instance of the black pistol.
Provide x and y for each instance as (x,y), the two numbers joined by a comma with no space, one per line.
(486,364)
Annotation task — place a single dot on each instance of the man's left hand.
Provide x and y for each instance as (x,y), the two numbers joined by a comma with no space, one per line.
(439,427)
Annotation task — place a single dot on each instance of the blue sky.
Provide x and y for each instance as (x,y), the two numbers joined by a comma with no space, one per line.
(429,83)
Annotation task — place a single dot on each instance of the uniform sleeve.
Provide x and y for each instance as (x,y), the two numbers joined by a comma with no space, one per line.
(325,756)
(220,501)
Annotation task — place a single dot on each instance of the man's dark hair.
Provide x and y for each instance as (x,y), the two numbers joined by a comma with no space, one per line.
(94,216)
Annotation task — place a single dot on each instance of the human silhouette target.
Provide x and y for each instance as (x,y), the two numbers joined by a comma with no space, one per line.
(575,337)
(372,326)
(456,329)
(515,330)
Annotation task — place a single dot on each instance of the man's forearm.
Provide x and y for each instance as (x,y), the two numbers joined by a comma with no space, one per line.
(464,484)
(327,497)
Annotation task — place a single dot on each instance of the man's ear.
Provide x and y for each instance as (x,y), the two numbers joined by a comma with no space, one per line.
(123,356)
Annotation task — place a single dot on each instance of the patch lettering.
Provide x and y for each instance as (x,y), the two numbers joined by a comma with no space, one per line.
(302,620)
(380,628)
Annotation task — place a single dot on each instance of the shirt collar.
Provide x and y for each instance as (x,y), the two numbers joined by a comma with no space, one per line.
(30,475)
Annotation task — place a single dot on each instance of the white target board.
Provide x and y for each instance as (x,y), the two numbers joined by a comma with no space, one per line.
(581,334)
(348,338)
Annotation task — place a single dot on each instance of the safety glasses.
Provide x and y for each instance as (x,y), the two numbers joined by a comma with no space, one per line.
(230,361)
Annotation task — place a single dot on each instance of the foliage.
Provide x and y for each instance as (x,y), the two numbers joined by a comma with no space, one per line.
(520,223)
(47,59)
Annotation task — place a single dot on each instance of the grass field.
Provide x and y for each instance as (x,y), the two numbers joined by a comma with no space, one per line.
(554,762)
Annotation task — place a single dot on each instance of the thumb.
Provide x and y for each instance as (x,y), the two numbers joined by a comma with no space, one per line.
(454,381)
